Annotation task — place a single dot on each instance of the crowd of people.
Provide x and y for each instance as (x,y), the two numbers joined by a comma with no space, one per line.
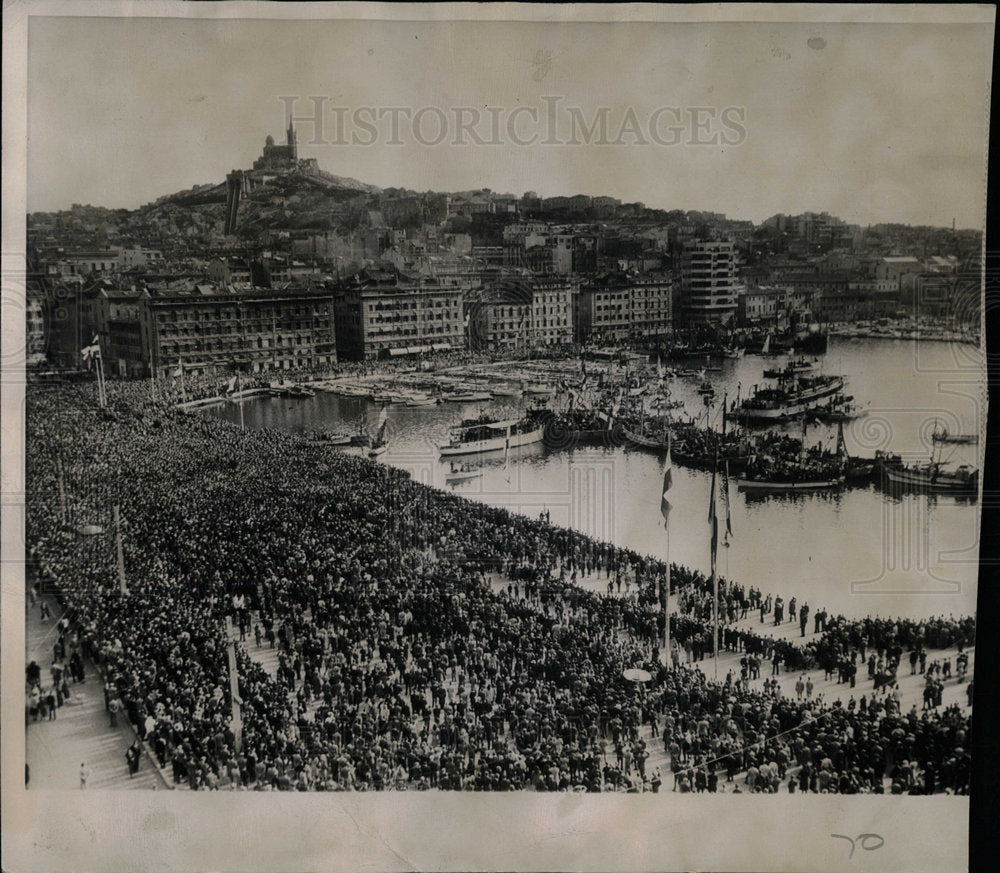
(400,665)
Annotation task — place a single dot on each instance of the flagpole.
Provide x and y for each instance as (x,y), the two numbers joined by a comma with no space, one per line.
(666,606)
(120,551)
(102,392)
(62,490)
(234,685)
(239,400)
(715,573)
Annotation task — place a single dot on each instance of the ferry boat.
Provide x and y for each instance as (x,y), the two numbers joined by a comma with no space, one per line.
(791,398)
(483,434)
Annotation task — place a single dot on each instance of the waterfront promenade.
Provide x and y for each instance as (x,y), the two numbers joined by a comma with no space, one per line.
(81,732)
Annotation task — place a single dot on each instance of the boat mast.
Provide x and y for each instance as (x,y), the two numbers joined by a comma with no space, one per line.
(713,522)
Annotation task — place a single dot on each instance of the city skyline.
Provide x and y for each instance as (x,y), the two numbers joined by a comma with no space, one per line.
(902,146)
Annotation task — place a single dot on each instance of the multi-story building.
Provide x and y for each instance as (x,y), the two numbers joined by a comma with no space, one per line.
(211,330)
(139,258)
(619,306)
(522,312)
(708,282)
(34,326)
(768,304)
(383,313)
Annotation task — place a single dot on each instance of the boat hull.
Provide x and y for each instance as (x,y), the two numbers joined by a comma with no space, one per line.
(493,444)
(922,480)
(811,485)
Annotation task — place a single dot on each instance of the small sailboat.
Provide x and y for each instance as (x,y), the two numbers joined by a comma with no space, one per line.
(379,444)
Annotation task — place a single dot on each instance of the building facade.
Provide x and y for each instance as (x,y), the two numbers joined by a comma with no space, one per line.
(382,313)
(708,282)
(208,330)
(618,306)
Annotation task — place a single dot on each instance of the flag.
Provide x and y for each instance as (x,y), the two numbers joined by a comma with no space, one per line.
(231,387)
(725,500)
(667,482)
(383,415)
(178,372)
(92,351)
(713,520)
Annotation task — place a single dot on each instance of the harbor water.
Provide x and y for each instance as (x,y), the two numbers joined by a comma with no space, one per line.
(855,551)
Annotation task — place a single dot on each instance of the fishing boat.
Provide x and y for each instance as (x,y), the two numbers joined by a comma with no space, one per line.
(657,442)
(791,398)
(462,473)
(929,476)
(483,434)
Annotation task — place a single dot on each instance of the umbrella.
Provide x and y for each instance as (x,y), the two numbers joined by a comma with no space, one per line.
(636,675)
(91,529)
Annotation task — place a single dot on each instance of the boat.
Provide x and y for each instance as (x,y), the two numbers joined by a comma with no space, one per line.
(812,470)
(957,439)
(462,473)
(792,368)
(467,397)
(332,438)
(484,434)
(707,389)
(300,391)
(931,476)
(791,398)
(659,442)
(421,400)
(506,391)
(790,483)
(380,443)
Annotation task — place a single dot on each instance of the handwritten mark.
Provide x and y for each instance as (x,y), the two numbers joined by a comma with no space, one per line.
(542,64)
(864,839)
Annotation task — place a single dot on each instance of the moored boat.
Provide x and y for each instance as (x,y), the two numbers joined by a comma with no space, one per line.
(483,434)
(791,398)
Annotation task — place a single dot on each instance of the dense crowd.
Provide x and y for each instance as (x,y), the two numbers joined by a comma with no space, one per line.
(400,664)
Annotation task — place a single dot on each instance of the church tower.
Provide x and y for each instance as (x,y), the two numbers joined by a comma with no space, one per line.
(293,147)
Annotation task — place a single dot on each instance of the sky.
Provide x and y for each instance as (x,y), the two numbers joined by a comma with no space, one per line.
(870,122)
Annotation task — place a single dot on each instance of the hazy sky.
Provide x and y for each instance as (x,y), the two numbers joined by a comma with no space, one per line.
(873,122)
